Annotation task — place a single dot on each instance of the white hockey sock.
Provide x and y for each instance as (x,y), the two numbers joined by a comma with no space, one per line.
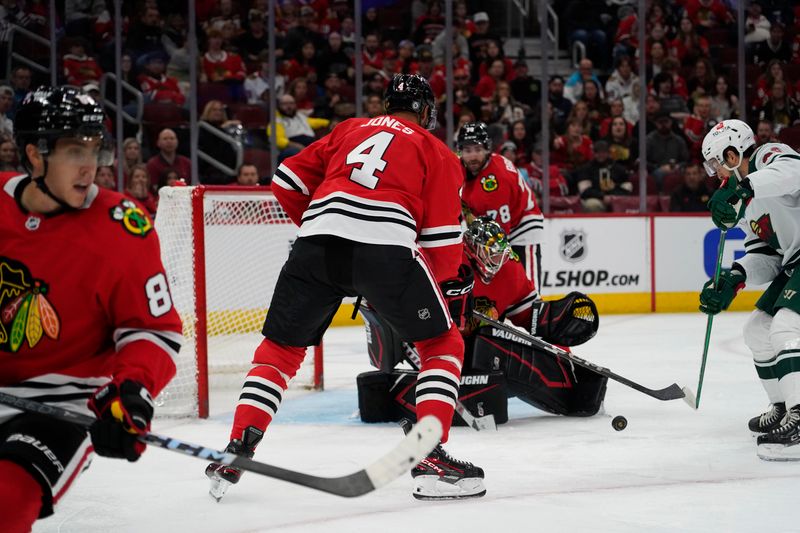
(757,337)
(785,338)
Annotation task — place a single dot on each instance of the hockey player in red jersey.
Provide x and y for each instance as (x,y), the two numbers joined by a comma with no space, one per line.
(494,187)
(86,318)
(502,290)
(378,208)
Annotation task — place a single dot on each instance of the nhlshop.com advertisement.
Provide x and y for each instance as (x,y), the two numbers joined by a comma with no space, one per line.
(607,258)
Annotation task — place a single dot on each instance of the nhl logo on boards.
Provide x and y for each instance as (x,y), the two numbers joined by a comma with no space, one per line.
(573,245)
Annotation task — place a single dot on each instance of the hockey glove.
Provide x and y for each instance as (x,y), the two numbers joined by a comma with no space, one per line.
(570,321)
(715,299)
(124,411)
(728,203)
(458,295)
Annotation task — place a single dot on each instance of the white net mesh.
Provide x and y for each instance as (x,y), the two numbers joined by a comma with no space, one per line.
(247,239)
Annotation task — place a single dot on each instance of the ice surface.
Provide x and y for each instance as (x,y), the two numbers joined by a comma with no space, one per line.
(672,469)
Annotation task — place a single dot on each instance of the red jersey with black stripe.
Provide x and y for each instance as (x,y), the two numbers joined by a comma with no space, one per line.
(499,191)
(83,299)
(382,180)
(510,293)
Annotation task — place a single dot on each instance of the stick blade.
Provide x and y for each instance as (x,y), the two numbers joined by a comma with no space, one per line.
(690,398)
(484,423)
(417,444)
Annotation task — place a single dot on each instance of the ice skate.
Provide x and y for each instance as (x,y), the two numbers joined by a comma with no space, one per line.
(769,420)
(441,477)
(783,442)
(223,476)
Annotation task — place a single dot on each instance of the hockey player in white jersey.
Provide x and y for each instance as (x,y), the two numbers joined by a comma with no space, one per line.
(762,186)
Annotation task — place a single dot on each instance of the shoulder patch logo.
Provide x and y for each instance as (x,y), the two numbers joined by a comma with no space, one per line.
(132,217)
(764,231)
(769,153)
(489,183)
(25,312)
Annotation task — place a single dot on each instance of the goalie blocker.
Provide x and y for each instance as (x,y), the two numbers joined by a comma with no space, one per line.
(498,358)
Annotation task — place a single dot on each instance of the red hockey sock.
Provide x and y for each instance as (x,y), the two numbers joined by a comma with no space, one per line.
(439,377)
(265,385)
(20,498)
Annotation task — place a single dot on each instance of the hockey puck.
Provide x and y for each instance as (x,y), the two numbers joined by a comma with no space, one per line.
(619,423)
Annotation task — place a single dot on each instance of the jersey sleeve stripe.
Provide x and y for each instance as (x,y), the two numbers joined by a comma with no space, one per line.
(439,229)
(362,203)
(525,227)
(523,304)
(516,235)
(442,242)
(763,250)
(169,341)
(438,236)
(286,176)
(359,216)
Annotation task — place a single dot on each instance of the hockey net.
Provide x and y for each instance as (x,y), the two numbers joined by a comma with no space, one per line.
(222,248)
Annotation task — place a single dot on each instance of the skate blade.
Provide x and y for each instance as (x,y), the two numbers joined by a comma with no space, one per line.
(218,488)
(778,452)
(431,488)
(423,497)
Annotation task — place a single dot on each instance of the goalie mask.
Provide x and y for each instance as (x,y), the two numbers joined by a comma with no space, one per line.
(487,247)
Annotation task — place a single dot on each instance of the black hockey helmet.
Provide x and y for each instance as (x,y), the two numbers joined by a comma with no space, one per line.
(51,113)
(413,93)
(474,133)
(487,247)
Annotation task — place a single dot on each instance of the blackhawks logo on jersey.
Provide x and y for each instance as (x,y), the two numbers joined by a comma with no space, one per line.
(25,312)
(132,217)
(489,183)
(763,230)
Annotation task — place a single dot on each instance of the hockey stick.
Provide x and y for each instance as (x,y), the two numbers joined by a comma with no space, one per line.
(673,392)
(690,398)
(478,423)
(412,449)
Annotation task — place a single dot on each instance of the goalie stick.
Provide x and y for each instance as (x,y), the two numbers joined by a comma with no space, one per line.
(673,392)
(422,439)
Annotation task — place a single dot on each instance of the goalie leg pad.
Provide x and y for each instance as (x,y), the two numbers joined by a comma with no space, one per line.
(537,377)
(391,397)
(384,346)
(570,321)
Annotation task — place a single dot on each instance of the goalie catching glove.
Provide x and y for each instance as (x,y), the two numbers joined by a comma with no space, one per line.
(124,411)
(570,321)
(458,295)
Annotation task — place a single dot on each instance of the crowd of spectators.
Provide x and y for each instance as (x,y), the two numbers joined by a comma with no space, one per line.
(593,112)
(691,76)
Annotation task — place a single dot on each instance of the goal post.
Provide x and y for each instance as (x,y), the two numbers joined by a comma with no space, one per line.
(222,248)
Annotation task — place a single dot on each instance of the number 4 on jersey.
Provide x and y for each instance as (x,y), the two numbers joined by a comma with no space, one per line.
(369,154)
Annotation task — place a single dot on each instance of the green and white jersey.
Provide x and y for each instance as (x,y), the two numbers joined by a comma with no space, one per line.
(772,218)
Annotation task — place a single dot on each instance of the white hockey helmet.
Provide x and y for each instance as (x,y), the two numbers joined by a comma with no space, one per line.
(729,134)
